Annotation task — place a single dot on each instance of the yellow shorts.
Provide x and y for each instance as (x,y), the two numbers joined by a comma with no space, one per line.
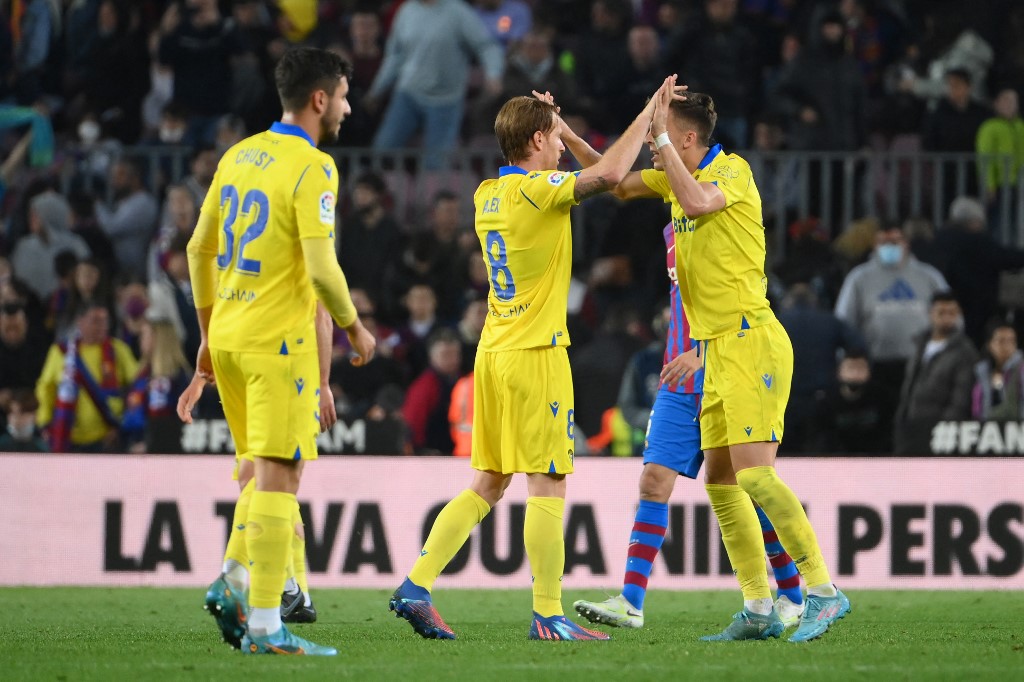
(523,412)
(747,376)
(271,402)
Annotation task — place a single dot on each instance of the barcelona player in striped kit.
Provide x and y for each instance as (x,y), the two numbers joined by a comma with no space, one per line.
(672,449)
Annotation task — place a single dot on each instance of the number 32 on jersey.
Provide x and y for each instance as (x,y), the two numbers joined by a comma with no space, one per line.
(255,207)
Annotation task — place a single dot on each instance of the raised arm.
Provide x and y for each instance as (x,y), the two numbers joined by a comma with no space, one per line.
(609,170)
(695,198)
(632,185)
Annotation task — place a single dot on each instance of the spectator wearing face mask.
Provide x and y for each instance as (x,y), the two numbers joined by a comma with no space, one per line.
(940,372)
(22,434)
(854,416)
(887,300)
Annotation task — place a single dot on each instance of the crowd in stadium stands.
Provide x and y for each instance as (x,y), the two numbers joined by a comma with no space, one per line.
(93,268)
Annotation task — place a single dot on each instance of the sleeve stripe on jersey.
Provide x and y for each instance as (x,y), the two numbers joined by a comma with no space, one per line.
(528,199)
(300,180)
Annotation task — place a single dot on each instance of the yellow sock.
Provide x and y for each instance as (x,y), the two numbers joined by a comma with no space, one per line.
(741,534)
(299,551)
(236,551)
(790,521)
(544,538)
(447,536)
(269,535)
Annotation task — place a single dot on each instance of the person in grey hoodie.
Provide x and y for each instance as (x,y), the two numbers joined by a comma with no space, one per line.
(49,219)
(887,299)
(130,220)
(999,376)
(426,64)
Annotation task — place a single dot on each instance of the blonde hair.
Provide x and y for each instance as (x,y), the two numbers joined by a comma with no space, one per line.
(166,358)
(518,120)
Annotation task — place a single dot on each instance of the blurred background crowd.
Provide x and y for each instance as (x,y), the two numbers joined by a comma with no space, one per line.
(114,113)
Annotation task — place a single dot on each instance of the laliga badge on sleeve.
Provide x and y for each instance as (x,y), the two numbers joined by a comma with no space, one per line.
(327,208)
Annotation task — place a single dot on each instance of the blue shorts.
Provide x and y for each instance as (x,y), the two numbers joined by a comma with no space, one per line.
(673,433)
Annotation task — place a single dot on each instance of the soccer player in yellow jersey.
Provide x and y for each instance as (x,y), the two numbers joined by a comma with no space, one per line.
(296,602)
(522,398)
(261,256)
(748,358)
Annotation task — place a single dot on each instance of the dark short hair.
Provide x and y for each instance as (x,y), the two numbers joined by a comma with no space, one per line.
(444,195)
(179,243)
(698,110)
(134,165)
(64,263)
(994,325)
(857,354)
(442,335)
(25,398)
(944,297)
(176,110)
(373,181)
(961,73)
(90,306)
(200,149)
(304,70)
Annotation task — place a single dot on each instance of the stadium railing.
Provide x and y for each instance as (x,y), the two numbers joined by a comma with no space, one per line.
(835,187)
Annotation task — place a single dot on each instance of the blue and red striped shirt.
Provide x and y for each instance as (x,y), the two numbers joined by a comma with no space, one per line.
(679,340)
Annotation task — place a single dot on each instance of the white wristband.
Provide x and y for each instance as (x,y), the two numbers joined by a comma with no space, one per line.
(662,140)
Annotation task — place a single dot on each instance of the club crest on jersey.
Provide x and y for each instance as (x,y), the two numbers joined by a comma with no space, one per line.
(327,208)
(557,178)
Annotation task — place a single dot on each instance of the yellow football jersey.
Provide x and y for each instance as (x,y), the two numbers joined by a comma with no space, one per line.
(522,221)
(270,191)
(720,256)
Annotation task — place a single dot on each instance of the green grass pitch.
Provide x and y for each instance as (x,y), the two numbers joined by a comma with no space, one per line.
(163,634)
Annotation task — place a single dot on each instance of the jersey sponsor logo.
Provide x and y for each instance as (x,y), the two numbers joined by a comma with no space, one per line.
(554,408)
(683,224)
(232,294)
(299,385)
(767,379)
(727,172)
(327,208)
(557,178)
